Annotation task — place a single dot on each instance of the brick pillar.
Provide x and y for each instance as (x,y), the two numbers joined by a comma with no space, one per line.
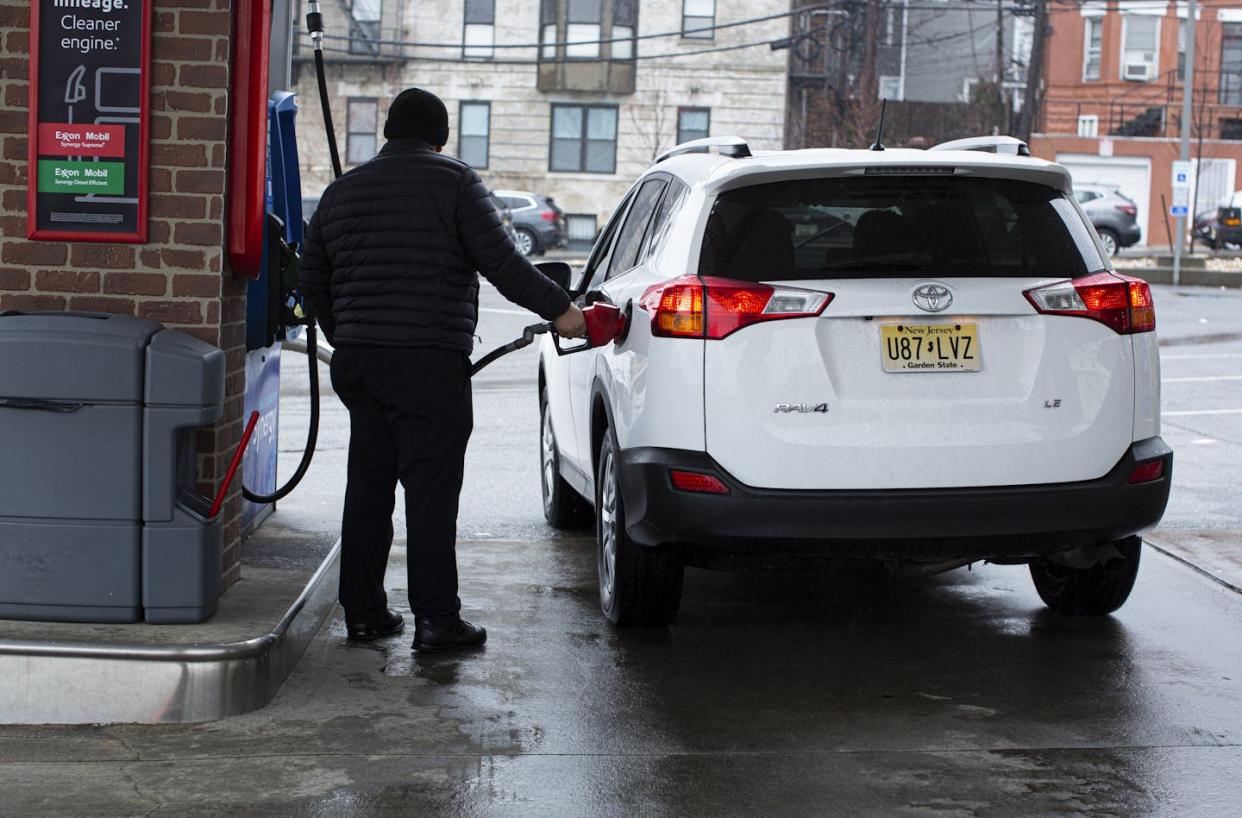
(179,276)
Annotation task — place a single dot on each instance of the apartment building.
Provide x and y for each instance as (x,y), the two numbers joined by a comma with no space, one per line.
(568,98)
(1112,111)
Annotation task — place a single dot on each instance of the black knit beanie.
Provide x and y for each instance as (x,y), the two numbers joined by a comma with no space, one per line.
(418,113)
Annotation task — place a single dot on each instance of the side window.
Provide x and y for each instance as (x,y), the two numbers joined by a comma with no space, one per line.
(658,232)
(630,241)
(593,273)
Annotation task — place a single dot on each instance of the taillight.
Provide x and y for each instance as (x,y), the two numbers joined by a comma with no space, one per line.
(697,482)
(1125,304)
(548,215)
(713,308)
(1128,209)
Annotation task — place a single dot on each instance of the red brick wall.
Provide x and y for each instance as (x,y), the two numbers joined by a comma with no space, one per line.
(1115,100)
(177,277)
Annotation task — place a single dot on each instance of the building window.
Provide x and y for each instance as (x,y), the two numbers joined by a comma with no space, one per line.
(547,29)
(624,22)
(479,29)
(364,26)
(362,123)
(1231,64)
(1140,44)
(1089,125)
(698,18)
(584,138)
(1181,50)
(1231,129)
(1092,39)
(582,29)
(473,129)
(890,88)
(892,25)
(693,123)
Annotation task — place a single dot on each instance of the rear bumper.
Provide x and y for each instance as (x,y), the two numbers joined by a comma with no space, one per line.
(937,524)
(1130,235)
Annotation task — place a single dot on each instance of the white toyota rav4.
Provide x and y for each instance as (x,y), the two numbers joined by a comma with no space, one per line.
(901,355)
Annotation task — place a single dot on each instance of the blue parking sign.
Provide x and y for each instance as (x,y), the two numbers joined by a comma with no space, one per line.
(1179,210)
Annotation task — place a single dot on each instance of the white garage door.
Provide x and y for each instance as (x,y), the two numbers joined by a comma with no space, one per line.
(1131,174)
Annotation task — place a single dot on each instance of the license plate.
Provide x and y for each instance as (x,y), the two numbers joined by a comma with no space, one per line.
(930,347)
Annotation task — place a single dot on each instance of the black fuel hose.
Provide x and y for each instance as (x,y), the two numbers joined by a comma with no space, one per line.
(314,25)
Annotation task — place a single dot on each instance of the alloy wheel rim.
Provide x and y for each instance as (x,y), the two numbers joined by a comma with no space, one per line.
(524,243)
(1109,244)
(607,532)
(549,459)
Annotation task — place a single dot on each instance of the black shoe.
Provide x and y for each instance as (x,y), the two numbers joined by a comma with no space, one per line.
(370,631)
(430,637)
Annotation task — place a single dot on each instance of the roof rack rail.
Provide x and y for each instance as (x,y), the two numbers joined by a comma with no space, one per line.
(987,144)
(733,146)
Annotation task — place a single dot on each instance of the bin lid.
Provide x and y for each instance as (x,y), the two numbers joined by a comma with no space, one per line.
(183,371)
(73,356)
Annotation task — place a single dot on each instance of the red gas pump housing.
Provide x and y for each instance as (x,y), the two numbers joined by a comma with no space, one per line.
(247,202)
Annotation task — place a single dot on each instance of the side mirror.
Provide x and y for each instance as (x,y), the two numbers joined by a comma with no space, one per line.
(558,271)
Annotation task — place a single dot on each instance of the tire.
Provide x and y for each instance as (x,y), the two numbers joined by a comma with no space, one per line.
(637,585)
(526,242)
(563,507)
(1095,591)
(1109,239)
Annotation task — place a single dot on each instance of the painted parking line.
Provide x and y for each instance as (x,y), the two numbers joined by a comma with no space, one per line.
(1194,412)
(1203,357)
(1203,379)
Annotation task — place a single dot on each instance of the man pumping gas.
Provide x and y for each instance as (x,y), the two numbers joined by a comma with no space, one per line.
(389,270)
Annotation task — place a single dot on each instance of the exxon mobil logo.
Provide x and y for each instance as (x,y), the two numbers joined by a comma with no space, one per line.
(932,297)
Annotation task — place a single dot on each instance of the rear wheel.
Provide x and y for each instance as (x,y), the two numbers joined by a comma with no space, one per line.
(525,240)
(637,585)
(562,506)
(1095,591)
(1109,239)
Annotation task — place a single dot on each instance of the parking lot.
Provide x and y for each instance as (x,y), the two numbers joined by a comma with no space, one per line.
(772,693)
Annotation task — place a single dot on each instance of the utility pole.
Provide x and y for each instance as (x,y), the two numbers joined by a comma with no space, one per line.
(1002,119)
(1034,72)
(869,81)
(1188,95)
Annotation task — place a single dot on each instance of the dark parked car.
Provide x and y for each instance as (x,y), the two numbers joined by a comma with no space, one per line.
(1219,227)
(1114,216)
(538,223)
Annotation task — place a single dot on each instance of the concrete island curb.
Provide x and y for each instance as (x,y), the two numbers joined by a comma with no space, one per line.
(78,683)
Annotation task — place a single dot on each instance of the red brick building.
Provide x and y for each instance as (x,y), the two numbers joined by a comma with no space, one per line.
(1112,107)
(179,275)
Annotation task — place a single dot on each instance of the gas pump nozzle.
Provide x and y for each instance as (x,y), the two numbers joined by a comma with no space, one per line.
(605,323)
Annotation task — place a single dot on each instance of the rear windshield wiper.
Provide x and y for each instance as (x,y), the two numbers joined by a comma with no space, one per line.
(907,261)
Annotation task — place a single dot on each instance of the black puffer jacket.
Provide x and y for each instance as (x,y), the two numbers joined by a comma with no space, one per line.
(391,253)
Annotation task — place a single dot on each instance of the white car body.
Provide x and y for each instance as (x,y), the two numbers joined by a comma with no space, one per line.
(804,405)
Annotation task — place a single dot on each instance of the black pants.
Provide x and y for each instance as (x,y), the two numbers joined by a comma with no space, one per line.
(410,417)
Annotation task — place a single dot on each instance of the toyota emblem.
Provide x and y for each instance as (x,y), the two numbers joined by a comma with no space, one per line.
(932,297)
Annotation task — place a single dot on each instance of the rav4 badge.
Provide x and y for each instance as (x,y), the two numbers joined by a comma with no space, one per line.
(783,408)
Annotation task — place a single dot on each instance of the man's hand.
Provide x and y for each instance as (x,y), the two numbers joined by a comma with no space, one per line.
(571,323)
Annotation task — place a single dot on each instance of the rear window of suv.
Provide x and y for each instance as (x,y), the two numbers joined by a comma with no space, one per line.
(896,226)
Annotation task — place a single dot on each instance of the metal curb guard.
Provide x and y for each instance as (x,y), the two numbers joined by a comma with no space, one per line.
(79,683)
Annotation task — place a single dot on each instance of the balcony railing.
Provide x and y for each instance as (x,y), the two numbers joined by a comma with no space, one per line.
(1154,109)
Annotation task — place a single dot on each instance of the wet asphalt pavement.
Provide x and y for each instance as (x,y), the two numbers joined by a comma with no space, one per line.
(772,694)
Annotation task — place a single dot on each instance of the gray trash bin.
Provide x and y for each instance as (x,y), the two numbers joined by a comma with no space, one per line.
(100,518)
